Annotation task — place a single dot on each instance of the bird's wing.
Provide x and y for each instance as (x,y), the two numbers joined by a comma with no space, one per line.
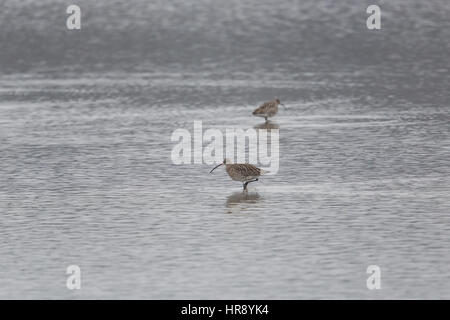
(264,107)
(248,170)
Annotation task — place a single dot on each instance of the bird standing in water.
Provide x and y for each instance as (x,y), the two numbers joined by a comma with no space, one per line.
(243,172)
(267,109)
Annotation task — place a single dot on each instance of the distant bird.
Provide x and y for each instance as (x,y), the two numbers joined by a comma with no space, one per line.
(243,172)
(267,109)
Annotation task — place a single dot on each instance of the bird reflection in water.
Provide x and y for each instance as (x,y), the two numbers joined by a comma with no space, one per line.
(267,125)
(240,201)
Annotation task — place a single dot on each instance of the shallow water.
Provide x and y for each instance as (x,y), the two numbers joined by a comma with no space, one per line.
(86,176)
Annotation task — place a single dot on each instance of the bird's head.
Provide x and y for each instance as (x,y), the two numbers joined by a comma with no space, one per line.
(278,101)
(225,161)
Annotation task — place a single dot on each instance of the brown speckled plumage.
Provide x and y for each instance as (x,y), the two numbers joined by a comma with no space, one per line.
(243,172)
(267,109)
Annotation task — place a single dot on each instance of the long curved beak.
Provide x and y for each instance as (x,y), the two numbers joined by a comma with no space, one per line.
(283,105)
(216,167)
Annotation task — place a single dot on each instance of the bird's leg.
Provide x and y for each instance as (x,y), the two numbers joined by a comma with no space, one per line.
(265,118)
(245,184)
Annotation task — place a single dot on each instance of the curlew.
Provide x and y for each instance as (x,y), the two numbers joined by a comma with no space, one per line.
(243,172)
(267,109)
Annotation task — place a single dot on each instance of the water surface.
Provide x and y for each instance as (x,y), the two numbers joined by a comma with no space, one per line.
(86,176)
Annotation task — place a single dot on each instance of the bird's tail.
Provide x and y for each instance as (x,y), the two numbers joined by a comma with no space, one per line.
(264,172)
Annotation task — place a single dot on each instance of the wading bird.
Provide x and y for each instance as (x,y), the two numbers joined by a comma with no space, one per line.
(243,172)
(267,109)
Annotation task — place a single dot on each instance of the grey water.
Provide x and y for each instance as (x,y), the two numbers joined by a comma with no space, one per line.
(86,176)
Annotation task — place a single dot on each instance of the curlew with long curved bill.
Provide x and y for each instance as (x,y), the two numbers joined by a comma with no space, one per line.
(268,109)
(243,172)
